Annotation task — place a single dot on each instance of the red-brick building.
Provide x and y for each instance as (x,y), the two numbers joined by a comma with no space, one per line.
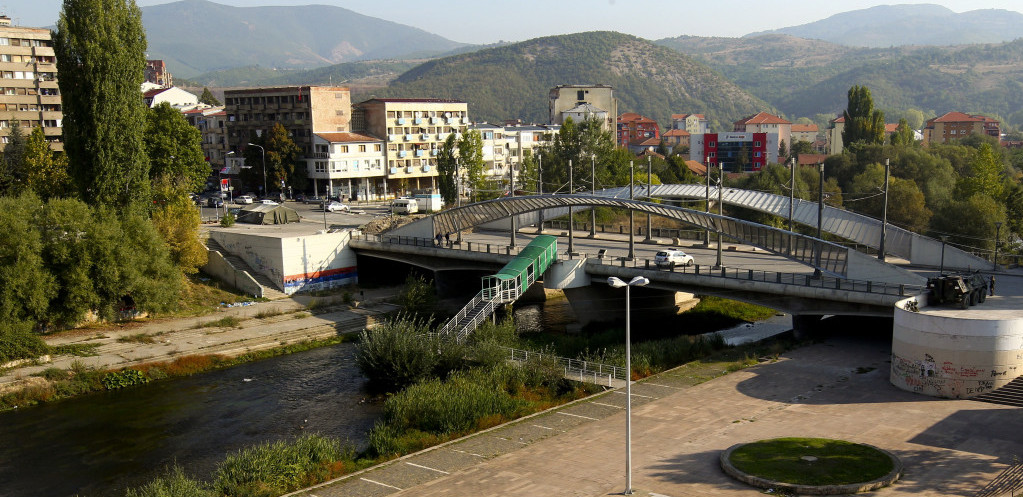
(957,125)
(634,128)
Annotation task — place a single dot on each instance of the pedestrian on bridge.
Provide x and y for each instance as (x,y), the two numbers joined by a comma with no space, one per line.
(447,238)
(991,285)
(440,236)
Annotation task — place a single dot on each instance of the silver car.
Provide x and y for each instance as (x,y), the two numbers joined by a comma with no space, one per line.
(672,258)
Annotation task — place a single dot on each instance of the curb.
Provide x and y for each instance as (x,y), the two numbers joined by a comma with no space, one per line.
(851,488)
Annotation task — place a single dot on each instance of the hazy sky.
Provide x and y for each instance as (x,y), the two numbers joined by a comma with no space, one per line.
(480,21)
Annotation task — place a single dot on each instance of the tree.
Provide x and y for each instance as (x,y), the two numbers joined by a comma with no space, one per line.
(984,177)
(470,158)
(100,46)
(783,150)
(174,148)
(903,134)
(801,147)
(971,222)
(45,171)
(281,155)
(12,176)
(177,221)
(906,206)
(447,168)
(862,122)
(208,98)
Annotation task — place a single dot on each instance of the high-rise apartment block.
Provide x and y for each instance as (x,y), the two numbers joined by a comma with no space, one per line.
(302,110)
(28,83)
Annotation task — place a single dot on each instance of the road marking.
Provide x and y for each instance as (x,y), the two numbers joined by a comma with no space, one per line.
(608,405)
(638,395)
(510,440)
(427,467)
(381,484)
(544,427)
(659,385)
(578,416)
(470,453)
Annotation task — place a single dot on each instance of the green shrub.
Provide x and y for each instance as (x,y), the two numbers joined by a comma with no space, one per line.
(172,484)
(18,342)
(275,468)
(124,378)
(418,297)
(397,354)
(228,220)
(53,374)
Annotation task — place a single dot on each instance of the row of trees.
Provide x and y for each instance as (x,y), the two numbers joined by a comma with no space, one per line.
(107,226)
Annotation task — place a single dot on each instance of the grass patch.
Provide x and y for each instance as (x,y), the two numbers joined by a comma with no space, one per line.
(224,322)
(76,349)
(200,296)
(269,313)
(137,338)
(812,461)
(301,315)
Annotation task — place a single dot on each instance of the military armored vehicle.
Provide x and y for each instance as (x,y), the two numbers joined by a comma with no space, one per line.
(962,289)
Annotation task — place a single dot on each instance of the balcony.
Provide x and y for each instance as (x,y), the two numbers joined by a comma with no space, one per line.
(425,136)
(402,153)
(433,152)
(400,120)
(394,170)
(419,153)
(318,155)
(426,169)
(409,137)
(392,138)
(442,136)
(418,120)
(409,170)
(434,120)
(452,120)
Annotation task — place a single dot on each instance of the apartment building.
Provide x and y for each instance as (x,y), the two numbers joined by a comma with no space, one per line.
(677,137)
(156,72)
(212,124)
(736,152)
(957,125)
(763,122)
(833,135)
(414,130)
(634,129)
(28,83)
(348,165)
(694,124)
(302,110)
(804,132)
(583,102)
(505,146)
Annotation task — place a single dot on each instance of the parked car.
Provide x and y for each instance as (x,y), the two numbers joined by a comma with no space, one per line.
(299,197)
(244,199)
(404,206)
(335,206)
(214,202)
(312,199)
(672,258)
(269,202)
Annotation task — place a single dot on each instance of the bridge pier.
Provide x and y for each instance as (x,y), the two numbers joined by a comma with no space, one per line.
(805,325)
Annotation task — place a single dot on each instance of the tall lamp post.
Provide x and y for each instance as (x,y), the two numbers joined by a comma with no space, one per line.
(618,283)
(263,151)
(593,193)
(230,189)
(998,231)
(941,267)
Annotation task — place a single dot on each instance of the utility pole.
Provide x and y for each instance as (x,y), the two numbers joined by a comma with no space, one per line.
(458,200)
(593,193)
(571,191)
(539,188)
(884,217)
(706,233)
(632,212)
(649,188)
(721,183)
(511,194)
(820,225)
(792,198)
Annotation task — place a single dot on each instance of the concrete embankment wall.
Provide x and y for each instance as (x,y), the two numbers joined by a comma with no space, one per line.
(219,268)
(946,355)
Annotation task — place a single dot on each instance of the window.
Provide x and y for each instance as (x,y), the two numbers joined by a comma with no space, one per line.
(377,148)
(712,144)
(342,149)
(5,41)
(756,154)
(580,95)
(712,154)
(362,148)
(756,144)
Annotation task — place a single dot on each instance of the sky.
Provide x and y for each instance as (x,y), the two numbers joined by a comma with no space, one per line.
(483,22)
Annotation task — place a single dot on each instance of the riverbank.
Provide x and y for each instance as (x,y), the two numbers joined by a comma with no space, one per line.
(229,332)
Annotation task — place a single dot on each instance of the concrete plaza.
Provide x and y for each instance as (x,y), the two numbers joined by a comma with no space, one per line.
(837,388)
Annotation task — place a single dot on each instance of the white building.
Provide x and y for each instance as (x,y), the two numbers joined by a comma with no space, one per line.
(348,165)
(177,97)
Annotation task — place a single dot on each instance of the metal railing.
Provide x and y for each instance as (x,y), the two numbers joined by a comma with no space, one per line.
(585,368)
(796,279)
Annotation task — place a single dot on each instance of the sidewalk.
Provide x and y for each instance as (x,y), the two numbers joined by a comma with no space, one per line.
(835,389)
(174,337)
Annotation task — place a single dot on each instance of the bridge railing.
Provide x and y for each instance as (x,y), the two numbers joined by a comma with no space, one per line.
(797,279)
(801,279)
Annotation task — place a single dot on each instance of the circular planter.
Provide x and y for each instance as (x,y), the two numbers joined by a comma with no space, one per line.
(846,488)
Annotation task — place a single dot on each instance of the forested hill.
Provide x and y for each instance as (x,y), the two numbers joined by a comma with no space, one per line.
(513,81)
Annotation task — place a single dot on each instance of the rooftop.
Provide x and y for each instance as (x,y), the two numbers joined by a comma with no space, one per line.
(762,118)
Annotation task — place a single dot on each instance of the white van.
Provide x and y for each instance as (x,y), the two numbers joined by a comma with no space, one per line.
(404,206)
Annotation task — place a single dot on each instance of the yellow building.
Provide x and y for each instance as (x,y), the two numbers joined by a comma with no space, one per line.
(302,110)
(957,125)
(414,130)
(28,83)
(582,101)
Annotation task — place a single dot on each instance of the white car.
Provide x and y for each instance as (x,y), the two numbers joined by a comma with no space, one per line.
(268,202)
(335,206)
(672,258)
(244,199)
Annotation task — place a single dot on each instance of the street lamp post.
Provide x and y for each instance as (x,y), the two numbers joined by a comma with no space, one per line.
(618,283)
(941,267)
(721,184)
(593,193)
(230,189)
(820,225)
(998,231)
(632,212)
(884,218)
(263,151)
(649,197)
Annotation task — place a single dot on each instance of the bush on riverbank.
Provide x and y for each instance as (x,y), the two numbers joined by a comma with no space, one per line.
(174,484)
(18,342)
(275,468)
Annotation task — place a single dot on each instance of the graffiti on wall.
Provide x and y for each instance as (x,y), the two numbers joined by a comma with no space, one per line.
(948,379)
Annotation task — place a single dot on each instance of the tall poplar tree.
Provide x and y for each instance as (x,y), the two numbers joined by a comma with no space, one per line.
(100,47)
(862,122)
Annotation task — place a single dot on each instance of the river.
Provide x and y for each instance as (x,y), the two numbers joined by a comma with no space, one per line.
(98,445)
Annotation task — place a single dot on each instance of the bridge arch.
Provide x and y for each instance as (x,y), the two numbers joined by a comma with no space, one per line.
(825,256)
